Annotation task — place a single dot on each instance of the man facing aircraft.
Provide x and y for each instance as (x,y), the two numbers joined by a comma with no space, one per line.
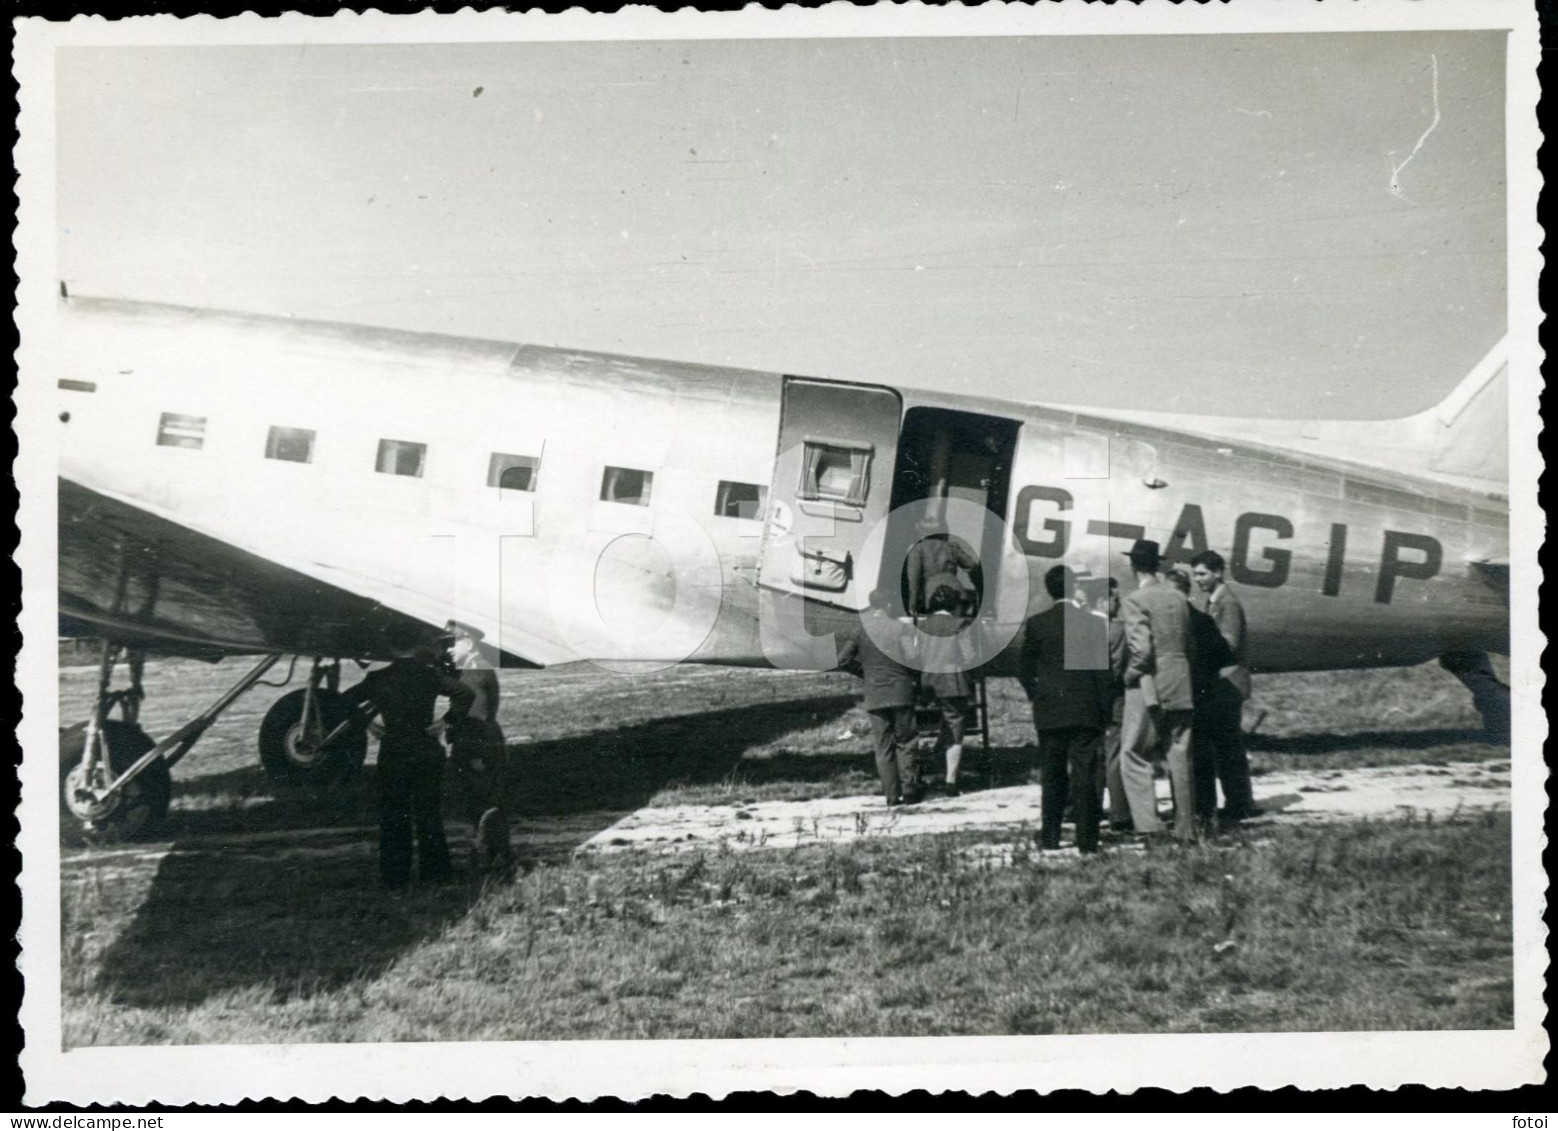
(1064,670)
(889,699)
(934,561)
(411,759)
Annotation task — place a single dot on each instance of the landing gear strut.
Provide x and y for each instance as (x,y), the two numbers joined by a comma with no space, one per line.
(115,782)
(302,740)
(1488,694)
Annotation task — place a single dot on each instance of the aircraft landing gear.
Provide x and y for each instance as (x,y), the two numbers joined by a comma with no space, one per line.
(1488,694)
(302,740)
(115,782)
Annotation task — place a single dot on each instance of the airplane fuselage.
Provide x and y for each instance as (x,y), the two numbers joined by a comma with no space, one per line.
(588,506)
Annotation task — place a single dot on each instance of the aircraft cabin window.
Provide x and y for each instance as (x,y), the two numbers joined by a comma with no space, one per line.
(626,485)
(513,473)
(836,472)
(294,445)
(740,500)
(401,457)
(176,430)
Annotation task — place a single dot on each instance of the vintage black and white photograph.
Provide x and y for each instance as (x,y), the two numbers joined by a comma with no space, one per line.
(552,532)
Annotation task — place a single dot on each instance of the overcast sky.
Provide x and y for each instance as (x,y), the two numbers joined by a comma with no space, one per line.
(1201,224)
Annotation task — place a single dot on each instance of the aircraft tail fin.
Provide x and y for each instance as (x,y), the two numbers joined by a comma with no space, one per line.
(1468,431)
(1464,439)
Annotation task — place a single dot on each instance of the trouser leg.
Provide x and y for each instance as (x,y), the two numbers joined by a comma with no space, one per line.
(906,741)
(1084,753)
(1176,733)
(1138,739)
(1054,771)
(394,821)
(1119,808)
(1203,767)
(1232,763)
(954,716)
(885,746)
(432,845)
(427,811)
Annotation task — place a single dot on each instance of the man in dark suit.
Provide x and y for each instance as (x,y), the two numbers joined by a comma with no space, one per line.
(1064,667)
(1220,715)
(411,759)
(889,696)
(1158,695)
(1210,653)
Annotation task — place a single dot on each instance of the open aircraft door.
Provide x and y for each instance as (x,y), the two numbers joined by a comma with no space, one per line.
(833,482)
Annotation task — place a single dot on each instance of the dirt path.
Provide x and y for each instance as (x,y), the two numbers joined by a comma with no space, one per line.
(1303,796)
(1300,796)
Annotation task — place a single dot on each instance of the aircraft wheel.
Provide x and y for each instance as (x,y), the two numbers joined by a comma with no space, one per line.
(289,760)
(136,811)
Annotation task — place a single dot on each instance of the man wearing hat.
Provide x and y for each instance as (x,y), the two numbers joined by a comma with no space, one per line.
(1158,695)
(411,759)
(478,753)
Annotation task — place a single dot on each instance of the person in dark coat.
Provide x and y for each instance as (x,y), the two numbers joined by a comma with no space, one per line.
(1220,721)
(945,658)
(478,754)
(411,759)
(1064,668)
(890,688)
(1210,654)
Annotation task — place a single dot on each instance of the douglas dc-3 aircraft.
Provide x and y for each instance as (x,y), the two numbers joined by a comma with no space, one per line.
(263,486)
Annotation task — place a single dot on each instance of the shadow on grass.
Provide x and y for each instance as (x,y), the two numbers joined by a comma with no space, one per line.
(289,918)
(621,769)
(275,923)
(1361,740)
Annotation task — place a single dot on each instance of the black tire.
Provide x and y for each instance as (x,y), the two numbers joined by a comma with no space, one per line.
(135,812)
(286,765)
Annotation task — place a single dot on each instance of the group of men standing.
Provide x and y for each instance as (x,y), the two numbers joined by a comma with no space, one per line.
(1159,677)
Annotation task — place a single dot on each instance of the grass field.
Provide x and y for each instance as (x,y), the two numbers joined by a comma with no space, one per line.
(216,937)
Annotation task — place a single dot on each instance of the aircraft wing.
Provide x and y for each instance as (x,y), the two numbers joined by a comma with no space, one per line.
(147,582)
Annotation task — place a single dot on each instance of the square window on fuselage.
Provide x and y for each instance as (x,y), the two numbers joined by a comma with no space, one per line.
(739,500)
(626,485)
(513,473)
(293,445)
(175,430)
(401,457)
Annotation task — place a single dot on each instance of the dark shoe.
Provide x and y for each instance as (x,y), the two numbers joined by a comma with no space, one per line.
(951,789)
(913,797)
